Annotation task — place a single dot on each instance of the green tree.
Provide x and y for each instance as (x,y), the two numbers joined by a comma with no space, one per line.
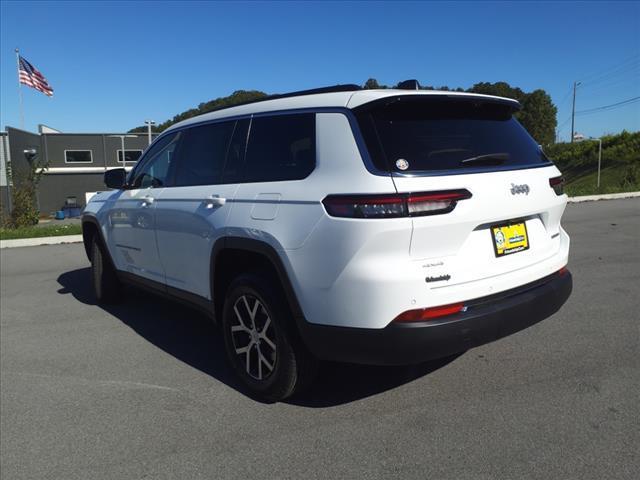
(143,129)
(538,116)
(371,84)
(500,89)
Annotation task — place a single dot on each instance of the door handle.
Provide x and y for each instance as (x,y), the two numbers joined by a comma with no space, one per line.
(146,201)
(214,201)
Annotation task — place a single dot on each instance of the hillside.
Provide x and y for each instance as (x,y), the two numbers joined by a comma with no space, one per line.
(579,164)
(538,114)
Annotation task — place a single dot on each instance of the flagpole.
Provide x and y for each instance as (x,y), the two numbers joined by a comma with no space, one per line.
(20,90)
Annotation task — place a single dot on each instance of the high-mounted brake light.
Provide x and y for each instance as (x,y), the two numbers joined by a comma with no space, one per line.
(557,183)
(393,206)
(426,314)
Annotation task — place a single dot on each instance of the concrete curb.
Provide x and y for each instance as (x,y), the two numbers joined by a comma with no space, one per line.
(609,196)
(33,242)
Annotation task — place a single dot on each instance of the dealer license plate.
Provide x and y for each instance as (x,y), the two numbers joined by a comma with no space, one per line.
(509,238)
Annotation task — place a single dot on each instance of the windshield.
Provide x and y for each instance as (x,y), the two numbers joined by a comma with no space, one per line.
(410,134)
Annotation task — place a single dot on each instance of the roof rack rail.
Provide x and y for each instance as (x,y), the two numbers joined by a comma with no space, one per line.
(347,87)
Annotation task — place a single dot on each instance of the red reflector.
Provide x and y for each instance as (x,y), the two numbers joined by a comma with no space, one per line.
(424,314)
(557,183)
(563,271)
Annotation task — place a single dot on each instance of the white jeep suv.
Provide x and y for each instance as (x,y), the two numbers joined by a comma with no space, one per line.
(369,226)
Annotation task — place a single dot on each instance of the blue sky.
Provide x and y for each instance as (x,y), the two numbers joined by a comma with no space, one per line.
(113,64)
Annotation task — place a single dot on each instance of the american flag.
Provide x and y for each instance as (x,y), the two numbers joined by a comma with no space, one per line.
(30,76)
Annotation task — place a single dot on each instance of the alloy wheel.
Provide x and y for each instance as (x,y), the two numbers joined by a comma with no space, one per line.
(253,336)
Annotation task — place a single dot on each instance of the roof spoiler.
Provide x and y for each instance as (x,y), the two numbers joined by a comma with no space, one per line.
(390,100)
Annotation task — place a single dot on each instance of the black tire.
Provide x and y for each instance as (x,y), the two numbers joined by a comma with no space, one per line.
(106,286)
(292,366)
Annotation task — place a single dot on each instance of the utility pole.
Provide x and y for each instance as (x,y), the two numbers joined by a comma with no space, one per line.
(149,123)
(573,109)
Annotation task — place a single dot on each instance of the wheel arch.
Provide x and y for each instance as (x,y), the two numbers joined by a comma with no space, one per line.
(90,230)
(256,254)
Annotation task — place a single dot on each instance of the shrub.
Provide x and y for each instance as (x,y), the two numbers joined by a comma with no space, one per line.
(24,194)
(24,211)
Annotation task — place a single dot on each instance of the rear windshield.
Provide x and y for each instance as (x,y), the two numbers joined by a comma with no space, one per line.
(434,134)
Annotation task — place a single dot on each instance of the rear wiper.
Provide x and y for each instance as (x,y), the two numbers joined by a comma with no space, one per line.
(488,159)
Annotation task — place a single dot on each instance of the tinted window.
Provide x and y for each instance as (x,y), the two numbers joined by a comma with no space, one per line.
(130,155)
(437,134)
(281,147)
(235,152)
(202,154)
(78,156)
(154,170)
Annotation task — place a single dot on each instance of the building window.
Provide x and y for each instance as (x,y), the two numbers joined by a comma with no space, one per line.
(130,155)
(78,156)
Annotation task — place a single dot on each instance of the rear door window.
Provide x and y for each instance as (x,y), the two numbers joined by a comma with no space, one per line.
(281,147)
(435,134)
(202,154)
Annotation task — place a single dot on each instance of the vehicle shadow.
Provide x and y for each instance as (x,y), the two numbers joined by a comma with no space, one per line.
(192,338)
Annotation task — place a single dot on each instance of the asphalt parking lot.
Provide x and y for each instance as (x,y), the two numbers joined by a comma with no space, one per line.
(141,390)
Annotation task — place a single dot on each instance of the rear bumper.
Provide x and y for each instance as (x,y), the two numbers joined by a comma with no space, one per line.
(486,319)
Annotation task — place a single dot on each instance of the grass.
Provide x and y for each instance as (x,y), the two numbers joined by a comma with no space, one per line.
(610,182)
(37,232)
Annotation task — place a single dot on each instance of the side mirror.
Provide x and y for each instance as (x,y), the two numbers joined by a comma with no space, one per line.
(115,178)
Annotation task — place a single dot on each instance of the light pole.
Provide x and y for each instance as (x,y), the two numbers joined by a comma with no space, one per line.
(599,140)
(149,123)
(122,137)
(599,158)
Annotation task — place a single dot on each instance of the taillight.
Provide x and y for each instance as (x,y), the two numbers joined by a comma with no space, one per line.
(426,314)
(557,183)
(393,206)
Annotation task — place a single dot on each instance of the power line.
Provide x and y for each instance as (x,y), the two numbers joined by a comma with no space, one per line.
(614,74)
(606,71)
(615,83)
(609,107)
(565,98)
(561,126)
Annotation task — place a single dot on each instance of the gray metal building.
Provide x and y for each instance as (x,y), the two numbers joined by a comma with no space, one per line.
(76,163)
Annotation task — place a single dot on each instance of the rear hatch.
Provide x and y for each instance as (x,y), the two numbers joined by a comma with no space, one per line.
(431,143)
